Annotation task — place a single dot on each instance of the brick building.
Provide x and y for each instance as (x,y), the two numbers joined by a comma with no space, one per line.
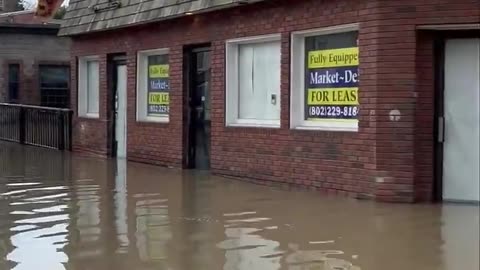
(34,61)
(350,97)
(8,6)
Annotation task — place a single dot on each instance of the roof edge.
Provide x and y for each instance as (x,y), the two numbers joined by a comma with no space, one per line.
(234,4)
(30,26)
(13,13)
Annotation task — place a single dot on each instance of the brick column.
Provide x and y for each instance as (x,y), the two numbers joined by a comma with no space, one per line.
(389,46)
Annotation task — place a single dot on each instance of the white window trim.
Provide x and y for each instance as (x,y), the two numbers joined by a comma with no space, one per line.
(297,82)
(82,91)
(142,87)
(231,95)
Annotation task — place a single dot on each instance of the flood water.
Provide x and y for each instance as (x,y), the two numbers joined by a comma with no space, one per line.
(62,211)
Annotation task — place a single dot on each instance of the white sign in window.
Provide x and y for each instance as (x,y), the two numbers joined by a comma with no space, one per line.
(253,82)
(88,87)
(153,86)
(325,79)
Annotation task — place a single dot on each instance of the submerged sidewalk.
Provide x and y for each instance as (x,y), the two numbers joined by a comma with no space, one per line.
(62,211)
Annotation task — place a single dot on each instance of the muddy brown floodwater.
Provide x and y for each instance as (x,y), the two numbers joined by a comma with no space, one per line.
(62,211)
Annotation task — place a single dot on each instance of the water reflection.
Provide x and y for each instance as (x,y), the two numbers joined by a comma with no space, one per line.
(120,198)
(59,211)
(34,216)
(244,248)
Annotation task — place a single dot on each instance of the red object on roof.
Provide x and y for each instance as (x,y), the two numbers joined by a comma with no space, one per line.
(46,8)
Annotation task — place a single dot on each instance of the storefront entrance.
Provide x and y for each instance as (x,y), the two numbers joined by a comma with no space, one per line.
(197,107)
(118,82)
(459,120)
(121,111)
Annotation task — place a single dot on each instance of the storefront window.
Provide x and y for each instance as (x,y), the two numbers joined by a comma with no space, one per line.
(89,87)
(153,86)
(158,85)
(253,81)
(325,84)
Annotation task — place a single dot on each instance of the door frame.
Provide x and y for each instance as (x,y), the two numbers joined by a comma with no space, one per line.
(113,61)
(439,103)
(188,83)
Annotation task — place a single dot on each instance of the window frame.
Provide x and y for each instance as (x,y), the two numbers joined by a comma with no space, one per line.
(82,90)
(42,90)
(297,80)
(16,83)
(142,87)
(232,87)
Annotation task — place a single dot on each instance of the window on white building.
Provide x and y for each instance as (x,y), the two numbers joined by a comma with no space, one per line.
(153,86)
(253,82)
(324,79)
(88,87)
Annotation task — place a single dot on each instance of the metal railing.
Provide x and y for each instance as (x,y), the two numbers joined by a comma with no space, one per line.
(34,125)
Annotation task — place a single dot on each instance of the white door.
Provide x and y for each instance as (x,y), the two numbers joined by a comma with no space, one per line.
(461,174)
(121,108)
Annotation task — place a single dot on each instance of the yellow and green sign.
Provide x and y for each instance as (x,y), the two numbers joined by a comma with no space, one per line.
(332,78)
(159,98)
(158,71)
(158,85)
(345,57)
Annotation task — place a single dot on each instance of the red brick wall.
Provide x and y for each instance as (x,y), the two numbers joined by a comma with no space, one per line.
(424,117)
(378,161)
(90,135)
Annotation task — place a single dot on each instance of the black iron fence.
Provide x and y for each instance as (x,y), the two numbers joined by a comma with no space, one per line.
(33,125)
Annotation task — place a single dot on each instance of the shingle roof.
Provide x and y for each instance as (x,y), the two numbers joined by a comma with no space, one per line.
(85,16)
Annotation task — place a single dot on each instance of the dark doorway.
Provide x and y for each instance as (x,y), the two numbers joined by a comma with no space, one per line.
(117,107)
(197,107)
